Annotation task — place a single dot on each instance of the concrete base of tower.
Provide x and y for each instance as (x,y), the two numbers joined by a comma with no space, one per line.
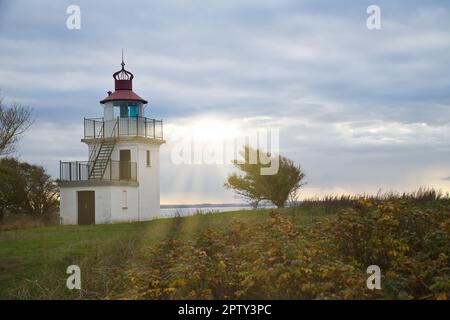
(98,204)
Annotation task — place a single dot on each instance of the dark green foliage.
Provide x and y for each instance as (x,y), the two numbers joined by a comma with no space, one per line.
(26,190)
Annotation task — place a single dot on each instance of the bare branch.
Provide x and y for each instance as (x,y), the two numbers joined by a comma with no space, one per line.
(14,121)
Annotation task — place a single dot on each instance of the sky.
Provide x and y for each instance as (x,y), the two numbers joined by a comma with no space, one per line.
(360,110)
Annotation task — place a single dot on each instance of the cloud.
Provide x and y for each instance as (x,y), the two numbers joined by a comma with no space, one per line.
(359,109)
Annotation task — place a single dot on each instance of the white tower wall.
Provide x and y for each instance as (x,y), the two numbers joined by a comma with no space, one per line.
(148,194)
(69,203)
(135,197)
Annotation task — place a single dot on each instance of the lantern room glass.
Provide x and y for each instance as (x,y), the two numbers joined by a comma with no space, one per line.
(126,109)
(134,110)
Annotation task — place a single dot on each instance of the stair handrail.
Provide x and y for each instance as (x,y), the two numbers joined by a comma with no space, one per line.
(95,150)
(113,131)
(98,144)
(98,147)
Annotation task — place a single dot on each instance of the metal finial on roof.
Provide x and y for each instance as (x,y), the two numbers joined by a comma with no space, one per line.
(123,74)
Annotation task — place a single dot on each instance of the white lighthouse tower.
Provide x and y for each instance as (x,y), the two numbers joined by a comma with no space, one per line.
(120,180)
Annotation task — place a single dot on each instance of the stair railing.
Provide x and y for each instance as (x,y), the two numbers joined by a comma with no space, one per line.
(98,147)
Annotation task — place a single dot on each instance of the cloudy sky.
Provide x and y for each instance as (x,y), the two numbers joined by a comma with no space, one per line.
(360,110)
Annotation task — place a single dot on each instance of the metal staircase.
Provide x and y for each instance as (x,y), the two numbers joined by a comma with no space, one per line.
(101,155)
(102,160)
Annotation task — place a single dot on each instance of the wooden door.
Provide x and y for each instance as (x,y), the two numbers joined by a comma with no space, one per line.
(124,165)
(86,207)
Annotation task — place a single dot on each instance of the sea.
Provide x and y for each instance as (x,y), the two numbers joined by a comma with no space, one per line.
(168,211)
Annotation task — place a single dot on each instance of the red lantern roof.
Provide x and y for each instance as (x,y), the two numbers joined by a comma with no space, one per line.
(123,81)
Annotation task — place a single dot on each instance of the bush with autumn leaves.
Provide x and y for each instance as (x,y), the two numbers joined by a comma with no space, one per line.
(327,259)
(409,241)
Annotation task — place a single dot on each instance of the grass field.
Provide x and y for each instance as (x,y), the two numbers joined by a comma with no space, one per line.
(319,250)
(33,261)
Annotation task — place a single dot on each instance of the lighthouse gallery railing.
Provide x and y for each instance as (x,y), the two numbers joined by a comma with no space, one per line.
(95,128)
(115,171)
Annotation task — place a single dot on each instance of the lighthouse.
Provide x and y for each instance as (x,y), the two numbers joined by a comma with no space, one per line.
(119,181)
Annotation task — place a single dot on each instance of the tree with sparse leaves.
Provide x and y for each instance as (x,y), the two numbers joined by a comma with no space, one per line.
(14,121)
(254,187)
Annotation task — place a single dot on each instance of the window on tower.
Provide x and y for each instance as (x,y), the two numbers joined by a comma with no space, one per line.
(134,110)
(148,159)
(125,109)
(121,109)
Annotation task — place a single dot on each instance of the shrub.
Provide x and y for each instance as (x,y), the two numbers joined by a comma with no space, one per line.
(277,259)
(271,260)
(410,243)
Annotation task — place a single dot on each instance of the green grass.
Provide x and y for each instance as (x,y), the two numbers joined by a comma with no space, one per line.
(33,261)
